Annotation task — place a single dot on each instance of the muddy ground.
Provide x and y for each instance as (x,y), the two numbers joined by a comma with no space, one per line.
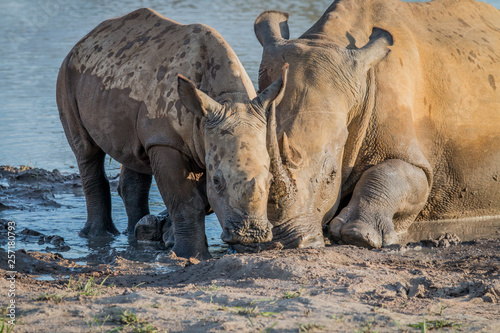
(444,285)
(334,289)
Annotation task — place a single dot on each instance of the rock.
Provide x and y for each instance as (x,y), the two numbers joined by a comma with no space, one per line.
(57,241)
(417,290)
(489,298)
(30,232)
(167,230)
(447,240)
(149,228)
(54,240)
(62,248)
(401,290)
(4,224)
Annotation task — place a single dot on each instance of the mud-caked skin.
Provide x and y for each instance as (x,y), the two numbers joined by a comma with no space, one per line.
(391,114)
(174,102)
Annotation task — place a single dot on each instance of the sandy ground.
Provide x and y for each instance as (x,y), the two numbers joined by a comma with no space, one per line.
(334,289)
(443,285)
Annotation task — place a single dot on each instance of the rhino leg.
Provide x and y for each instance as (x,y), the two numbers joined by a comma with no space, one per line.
(90,159)
(134,190)
(184,200)
(390,192)
(97,195)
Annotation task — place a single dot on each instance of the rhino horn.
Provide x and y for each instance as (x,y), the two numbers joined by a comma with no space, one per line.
(272,143)
(282,183)
(290,156)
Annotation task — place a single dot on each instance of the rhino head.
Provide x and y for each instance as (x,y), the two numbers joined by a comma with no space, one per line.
(236,159)
(325,97)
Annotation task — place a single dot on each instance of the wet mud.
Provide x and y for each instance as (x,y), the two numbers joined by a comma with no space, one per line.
(442,282)
(26,188)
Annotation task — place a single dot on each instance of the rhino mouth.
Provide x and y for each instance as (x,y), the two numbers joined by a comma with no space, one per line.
(289,235)
(246,230)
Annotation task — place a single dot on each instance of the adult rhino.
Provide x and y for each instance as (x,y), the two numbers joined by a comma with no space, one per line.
(203,137)
(391,114)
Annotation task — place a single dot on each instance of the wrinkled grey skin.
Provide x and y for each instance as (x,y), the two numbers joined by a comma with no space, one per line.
(120,92)
(376,122)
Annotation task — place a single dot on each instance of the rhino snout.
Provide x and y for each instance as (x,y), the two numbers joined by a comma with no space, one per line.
(248,231)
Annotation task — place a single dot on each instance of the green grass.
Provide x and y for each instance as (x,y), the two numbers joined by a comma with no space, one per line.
(86,287)
(441,308)
(134,323)
(268,330)
(290,294)
(127,317)
(97,323)
(427,325)
(367,327)
(137,285)
(252,311)
(5,327)
(338,319)
(307,328)
(213,287)
(56,298)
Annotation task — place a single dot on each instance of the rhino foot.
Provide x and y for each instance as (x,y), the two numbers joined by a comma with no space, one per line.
(90,231)
(360,233)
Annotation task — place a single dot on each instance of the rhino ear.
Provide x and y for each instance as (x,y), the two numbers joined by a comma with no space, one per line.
(271,26)
(273,93)
(376,49)
(196,100)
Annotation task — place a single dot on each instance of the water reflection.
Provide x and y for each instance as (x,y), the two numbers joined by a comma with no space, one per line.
(466,229)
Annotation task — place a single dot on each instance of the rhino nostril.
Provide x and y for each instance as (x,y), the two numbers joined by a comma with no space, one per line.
(227,236)
(269,225)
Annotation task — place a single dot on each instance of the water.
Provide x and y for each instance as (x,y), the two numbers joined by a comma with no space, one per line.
(467,229)
(36,36)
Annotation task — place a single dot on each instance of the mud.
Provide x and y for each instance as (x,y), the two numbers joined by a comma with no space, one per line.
(452,285)
(334,289)
(26,188)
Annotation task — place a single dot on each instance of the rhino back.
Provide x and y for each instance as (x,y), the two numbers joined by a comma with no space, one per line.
(125,80)
(440,83)
(456,108)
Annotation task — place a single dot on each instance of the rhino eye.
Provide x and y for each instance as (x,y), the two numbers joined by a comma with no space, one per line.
(219,181)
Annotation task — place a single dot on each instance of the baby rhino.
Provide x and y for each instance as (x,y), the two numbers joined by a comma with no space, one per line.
(174,102)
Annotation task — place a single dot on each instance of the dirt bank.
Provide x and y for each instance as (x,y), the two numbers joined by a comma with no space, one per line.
(335,289)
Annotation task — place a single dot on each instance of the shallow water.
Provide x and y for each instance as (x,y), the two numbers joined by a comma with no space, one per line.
(37,35)
(467,229)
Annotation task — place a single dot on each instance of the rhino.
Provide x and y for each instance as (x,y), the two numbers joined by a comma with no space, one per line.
(391,114)
(174,102)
